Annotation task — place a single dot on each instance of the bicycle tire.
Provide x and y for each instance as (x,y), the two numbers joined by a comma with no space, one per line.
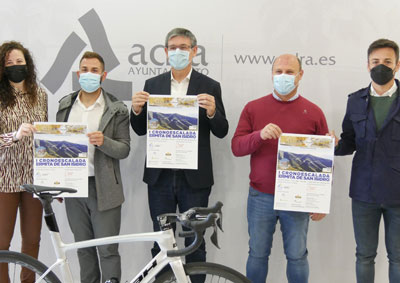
(17,260)
(212,272)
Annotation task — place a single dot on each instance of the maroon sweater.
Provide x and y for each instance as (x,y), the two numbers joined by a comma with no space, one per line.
(299,116)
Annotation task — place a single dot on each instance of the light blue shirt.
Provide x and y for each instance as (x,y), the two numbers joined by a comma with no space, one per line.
(279,99)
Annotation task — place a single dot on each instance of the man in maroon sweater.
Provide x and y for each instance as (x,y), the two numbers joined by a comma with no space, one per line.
(261,123)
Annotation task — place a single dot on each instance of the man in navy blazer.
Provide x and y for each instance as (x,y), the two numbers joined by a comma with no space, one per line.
(183,188)
(371,129)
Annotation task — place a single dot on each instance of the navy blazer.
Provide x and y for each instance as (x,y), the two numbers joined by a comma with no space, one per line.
(375,175)
(199,83)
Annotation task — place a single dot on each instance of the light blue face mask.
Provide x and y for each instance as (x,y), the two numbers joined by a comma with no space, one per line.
(89,82)
(178,59)
(284,84)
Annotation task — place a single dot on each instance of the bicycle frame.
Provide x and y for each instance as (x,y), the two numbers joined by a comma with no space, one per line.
(165,239)
(169,252)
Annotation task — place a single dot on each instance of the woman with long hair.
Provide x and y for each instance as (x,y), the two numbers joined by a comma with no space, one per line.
(22,102)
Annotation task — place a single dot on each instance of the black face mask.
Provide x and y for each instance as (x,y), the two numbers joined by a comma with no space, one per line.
(381,74)
(16,73)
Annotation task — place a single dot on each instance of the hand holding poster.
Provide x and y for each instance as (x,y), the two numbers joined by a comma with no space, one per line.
(61,156)
(172,132)
(304,173)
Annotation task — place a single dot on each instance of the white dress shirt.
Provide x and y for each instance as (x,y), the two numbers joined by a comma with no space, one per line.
(180,88)
(389,93)
(90,116)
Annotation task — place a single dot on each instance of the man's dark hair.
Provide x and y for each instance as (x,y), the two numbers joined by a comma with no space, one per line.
(90,55)
(384,43)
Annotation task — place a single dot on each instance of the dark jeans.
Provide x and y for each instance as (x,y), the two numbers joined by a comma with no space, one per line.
(171,191)
(366,220)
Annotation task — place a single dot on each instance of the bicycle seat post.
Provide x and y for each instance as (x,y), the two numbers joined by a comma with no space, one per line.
(49,216)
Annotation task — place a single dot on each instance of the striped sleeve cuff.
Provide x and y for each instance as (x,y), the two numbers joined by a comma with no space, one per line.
(6,140)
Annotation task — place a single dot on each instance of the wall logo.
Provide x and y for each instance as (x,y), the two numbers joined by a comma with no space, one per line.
(139,60)
(70,51)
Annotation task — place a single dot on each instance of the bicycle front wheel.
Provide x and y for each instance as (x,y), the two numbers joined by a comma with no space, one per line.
(206,272)
(16,261)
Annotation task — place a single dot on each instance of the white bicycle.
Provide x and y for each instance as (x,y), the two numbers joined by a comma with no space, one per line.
(196,219)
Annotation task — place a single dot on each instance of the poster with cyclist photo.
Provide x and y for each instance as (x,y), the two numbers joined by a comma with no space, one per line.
(61,156)
(304,173)
(172,132)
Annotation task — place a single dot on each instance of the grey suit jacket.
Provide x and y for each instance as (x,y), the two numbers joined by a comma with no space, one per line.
(114,124)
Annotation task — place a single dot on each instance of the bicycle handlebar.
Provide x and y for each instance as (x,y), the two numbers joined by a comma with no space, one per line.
(206,210)
(190,219)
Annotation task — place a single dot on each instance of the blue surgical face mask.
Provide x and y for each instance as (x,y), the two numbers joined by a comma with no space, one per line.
(178,59)
(284,84)
(89,82)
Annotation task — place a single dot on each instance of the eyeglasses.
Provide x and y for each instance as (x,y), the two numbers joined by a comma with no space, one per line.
(183,47)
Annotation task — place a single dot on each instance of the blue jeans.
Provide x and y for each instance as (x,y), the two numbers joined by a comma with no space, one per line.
(366,219)
(171,191)
(262,219)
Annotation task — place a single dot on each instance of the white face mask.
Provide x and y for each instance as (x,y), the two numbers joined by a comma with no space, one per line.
(284,84)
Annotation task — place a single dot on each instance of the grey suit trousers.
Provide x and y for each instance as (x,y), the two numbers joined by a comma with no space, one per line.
(86,223)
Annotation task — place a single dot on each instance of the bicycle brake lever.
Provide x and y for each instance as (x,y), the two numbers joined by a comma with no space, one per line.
(214,237)
(219,223)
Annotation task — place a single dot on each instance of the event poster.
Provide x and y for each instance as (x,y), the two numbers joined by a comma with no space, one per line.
(61,156)
(304,173)
(172,132)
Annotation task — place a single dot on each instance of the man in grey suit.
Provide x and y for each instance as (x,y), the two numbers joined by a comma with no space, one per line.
(99,215)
